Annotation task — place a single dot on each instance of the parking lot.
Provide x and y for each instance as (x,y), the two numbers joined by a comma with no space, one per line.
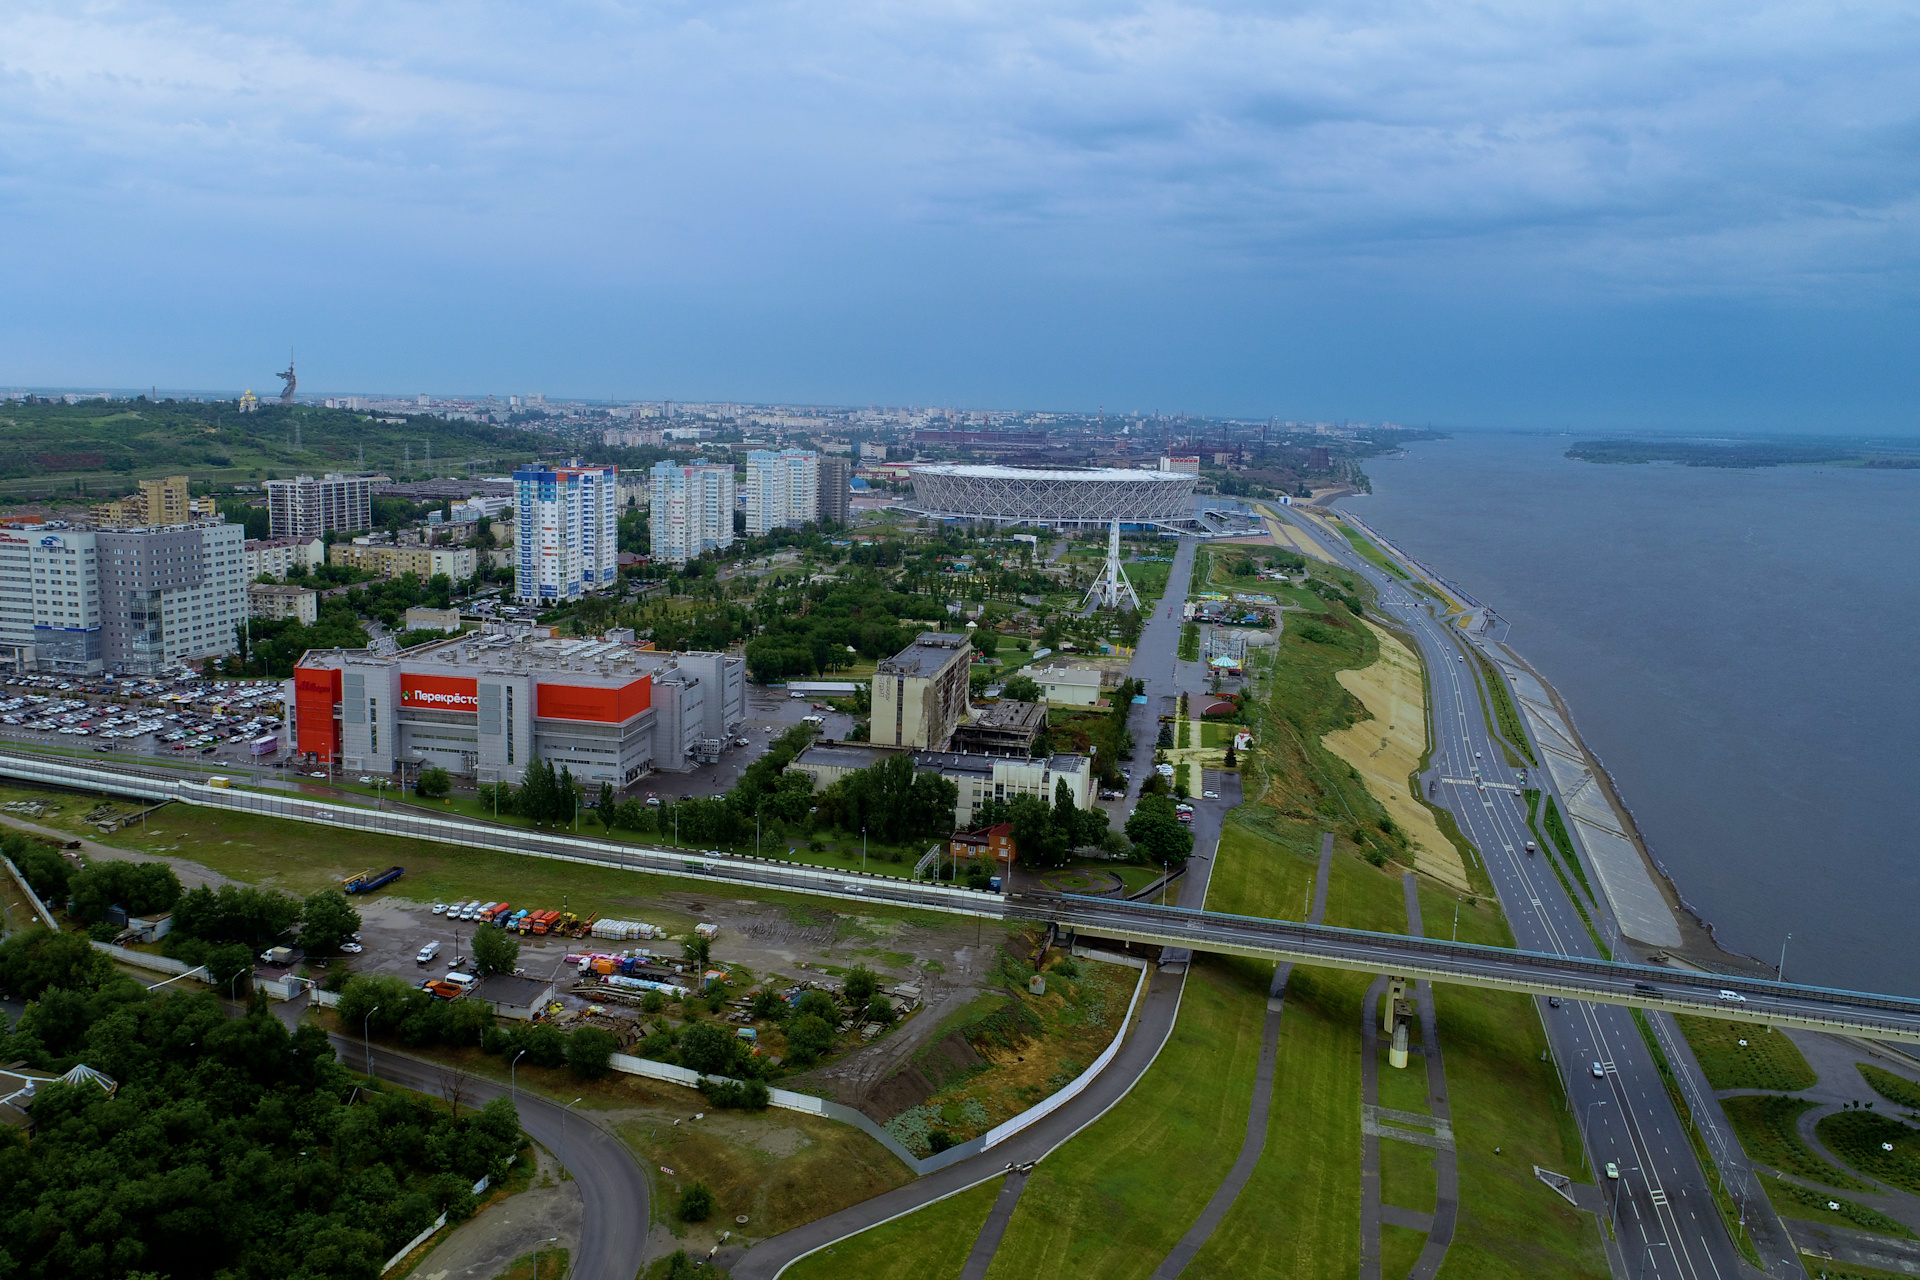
(201,719)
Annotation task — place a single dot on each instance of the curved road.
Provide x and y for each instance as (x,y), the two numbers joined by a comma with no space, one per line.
(616,1216)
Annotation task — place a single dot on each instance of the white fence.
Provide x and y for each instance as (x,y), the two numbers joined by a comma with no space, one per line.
(39,907)
(479,1188)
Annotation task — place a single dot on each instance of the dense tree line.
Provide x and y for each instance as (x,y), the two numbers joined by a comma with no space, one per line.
(271,648)
(229,1148)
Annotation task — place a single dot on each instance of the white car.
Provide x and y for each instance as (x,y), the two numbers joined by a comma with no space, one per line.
(352,948)
(1209,795)
(366,780)
(319,773)
(1599,1072)
(439,908)
(1734,996)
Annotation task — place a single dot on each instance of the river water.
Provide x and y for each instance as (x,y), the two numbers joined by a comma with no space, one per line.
(1738,647)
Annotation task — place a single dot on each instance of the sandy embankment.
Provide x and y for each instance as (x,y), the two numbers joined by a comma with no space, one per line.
(1291,539)
(1387,749)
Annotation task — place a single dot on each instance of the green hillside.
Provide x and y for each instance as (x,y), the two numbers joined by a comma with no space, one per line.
(99,446)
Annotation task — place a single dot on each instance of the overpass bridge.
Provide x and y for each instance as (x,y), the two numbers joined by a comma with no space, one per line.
(1878,1017)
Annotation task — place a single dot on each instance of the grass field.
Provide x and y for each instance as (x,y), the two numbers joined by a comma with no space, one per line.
(1366,548)
(1507,722)
(1893,1088)
(1739,1055)
(1765,1126)
(300,857)
(929,1244)
(1189,643)
(1861,1137)
(1407,1176)
(1796,1201)
(547,1264)
(1104,1204)
(1399,1249)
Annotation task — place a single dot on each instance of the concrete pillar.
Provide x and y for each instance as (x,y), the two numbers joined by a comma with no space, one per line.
(1397,1055)
(1396,999)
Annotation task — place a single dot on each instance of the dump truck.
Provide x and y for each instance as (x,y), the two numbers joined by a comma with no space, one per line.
(543,921)
(367,881)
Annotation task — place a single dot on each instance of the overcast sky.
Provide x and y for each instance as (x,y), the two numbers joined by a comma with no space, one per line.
(1496,213)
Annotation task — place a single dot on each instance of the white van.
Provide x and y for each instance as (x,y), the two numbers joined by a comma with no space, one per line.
(427,953)
(459,979)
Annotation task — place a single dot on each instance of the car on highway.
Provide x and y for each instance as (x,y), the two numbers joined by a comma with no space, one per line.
(319,773)
(1733,996)
(1599,1072)
(1553,1002)
(1613,1171)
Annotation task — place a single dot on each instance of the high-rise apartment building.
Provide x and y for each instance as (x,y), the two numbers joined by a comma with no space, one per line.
(566,526)
(154,504)
(783,489)
(135,601)
(836,490)
(920,693)
(306,508)
(691,509)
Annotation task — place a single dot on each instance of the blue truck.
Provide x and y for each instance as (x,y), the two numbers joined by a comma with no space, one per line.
(367,881)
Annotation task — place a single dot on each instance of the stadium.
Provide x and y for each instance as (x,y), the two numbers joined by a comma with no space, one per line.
(1053,498)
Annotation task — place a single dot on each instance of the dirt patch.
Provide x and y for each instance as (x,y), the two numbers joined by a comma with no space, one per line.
(1386,750)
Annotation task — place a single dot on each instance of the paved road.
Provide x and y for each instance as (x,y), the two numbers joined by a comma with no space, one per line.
(1666,1219)
(1153,1022)
(613,1228)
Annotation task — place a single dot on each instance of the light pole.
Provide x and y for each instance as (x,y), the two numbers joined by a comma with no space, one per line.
(563,1117)
(1781,971)
(1598,1102)
(1648,1257)
(365,1042)
(863,852)
(513,1087)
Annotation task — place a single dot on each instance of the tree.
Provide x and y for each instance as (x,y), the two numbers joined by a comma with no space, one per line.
(808,1038)
(818,1004)
(707,1048)
(698,951)
(1021,688)
(1037,840)
(880,1010)
(1232,760)
(494,951)
(696,1203)
(590,1052)
(326,920)
(1155,827)
(433,783)
(606,806)
(860,984)
(140,887)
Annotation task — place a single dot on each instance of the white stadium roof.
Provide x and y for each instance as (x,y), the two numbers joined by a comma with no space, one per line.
(1068,475)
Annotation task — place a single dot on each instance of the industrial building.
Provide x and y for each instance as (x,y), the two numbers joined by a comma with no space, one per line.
(690,509)
(486,703)
(304,507)
(920,693)
(566,521)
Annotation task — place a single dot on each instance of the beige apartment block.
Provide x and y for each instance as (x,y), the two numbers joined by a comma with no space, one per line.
(273,600)
(920,693)
(457,563)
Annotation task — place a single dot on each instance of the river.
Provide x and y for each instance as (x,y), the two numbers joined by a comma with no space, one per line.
(1738,648)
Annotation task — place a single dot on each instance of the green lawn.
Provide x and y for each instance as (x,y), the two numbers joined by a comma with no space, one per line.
(1407,1176)
(1366,548)
(1861,1137)
(1796,1201)
(1740,1055)
(1105,1205)
(928,1244)
(1189,643)
(1893,1088)
(1399,1249)
(1764,1124)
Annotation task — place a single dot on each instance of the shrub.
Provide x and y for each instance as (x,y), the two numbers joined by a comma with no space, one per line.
(740,1095)
(808,1037)
(880,1010)
(860,983)
(590,1052)
(939,1140)
(818,1004)
(706,1048)
(696,1203)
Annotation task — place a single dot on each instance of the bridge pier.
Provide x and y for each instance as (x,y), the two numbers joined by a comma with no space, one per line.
(1395,1014)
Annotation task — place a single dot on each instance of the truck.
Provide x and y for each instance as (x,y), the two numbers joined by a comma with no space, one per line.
(264,746)
(367,881)
(218,781)
(543,921)
(500,913)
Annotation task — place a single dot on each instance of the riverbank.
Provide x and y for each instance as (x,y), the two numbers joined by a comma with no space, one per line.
(1651,910)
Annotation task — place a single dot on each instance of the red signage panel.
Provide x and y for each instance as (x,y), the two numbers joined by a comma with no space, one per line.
(316,691)
(439,693)
(600,705)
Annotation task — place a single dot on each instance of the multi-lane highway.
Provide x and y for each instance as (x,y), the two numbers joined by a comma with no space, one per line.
(1666,1220)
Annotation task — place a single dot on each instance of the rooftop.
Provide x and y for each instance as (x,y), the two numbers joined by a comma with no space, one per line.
(1077,475)
(929,655)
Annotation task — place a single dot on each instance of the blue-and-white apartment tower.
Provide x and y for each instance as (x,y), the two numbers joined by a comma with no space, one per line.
(566,526)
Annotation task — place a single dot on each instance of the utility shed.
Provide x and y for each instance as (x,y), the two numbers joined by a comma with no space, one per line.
(512,996)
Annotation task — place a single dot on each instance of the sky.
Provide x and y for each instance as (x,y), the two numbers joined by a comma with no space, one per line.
(1597,214)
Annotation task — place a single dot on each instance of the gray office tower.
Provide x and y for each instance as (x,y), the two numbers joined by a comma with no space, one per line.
(836,480)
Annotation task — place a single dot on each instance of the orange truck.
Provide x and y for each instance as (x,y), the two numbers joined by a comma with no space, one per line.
(543,921)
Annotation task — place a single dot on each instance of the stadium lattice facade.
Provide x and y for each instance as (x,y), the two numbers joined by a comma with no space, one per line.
(1032,495)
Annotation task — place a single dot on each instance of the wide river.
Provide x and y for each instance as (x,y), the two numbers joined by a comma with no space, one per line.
(1740,649)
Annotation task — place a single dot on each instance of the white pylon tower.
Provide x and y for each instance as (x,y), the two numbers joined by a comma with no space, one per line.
(1111,589)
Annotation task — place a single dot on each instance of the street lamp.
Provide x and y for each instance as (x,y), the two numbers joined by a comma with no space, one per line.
(863,851)
(1781,971)
(1598,1102)
(365,1042)
(563,1117)
(1648,1257)
(513,1087)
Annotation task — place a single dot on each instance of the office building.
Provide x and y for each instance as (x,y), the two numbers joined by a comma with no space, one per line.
(306,508)
(484,704)
(920,693)
(458,563)
(1185,466)
(836,490)
(50,607)
(274,601)
(275,556)
(567,522)
(691,509)
(783,489)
